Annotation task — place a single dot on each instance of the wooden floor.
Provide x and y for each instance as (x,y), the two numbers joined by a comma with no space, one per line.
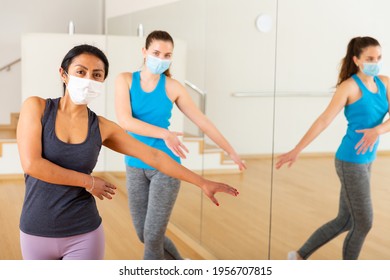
(239,227)
(244,227)
(306,196)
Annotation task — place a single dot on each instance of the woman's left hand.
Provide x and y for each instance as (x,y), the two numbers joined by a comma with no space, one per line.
(174,144)
(210,188)
(370,136)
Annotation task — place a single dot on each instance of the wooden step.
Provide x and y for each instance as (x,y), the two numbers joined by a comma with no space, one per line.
(224,165)
(7,134)
(8,131)
(203,146)
(14,119)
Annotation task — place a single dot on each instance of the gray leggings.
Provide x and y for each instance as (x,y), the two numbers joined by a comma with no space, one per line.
(152,196)
(355,212)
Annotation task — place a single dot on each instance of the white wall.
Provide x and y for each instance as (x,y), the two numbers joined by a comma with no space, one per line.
(18,17)
(120,7)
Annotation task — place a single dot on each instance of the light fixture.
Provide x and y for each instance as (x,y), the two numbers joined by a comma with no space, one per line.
(71,28)
(140,30)
(264,23)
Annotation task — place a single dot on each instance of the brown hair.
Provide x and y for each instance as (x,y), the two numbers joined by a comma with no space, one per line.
(160,36)
(355,48)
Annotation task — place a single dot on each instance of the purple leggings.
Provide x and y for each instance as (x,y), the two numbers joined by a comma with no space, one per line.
(87,246)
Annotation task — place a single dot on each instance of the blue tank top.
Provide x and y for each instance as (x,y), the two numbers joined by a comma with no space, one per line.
(367,112)
(154,108)
(52,210)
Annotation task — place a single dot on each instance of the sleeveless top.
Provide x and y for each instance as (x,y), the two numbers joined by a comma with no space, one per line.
(52,210)
(154,108)
(367,112)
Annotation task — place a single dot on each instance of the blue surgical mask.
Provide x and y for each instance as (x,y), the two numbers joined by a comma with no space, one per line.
(157,65)
(372,69)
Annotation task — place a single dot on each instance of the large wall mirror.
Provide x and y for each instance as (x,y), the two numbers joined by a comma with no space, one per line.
(312,39)
(269,68)
(230,74)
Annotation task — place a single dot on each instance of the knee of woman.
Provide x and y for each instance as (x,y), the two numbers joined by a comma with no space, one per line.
(364,224)
(342,222)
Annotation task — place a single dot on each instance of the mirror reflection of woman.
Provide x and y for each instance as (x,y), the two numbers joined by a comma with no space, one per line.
(364,96)
(144,102)
(59,141)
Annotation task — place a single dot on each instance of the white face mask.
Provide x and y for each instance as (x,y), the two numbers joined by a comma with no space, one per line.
(83,91)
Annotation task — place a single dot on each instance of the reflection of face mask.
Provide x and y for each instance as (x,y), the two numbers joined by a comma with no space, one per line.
(372,69)
(82,91)
(157,65)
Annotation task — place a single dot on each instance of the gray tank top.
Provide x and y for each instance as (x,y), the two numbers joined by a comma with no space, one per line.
(52,210)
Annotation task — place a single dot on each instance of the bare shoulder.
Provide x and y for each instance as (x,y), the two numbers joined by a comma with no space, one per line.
(34,100)
(107,127)
(349,86)
(125,76)
(34,103)
(111,132)
(174,87)
(384,79)
(105,122)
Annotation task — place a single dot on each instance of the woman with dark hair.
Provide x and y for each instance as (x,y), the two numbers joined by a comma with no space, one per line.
(364,96)
(59,141)
(144,102)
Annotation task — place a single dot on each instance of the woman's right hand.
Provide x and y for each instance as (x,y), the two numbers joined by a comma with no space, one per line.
(100,188)
(289,158)
(237,160)
(210,188)
(173,142)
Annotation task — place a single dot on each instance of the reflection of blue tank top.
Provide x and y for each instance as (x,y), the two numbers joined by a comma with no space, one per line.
(367,112)
(154,108)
